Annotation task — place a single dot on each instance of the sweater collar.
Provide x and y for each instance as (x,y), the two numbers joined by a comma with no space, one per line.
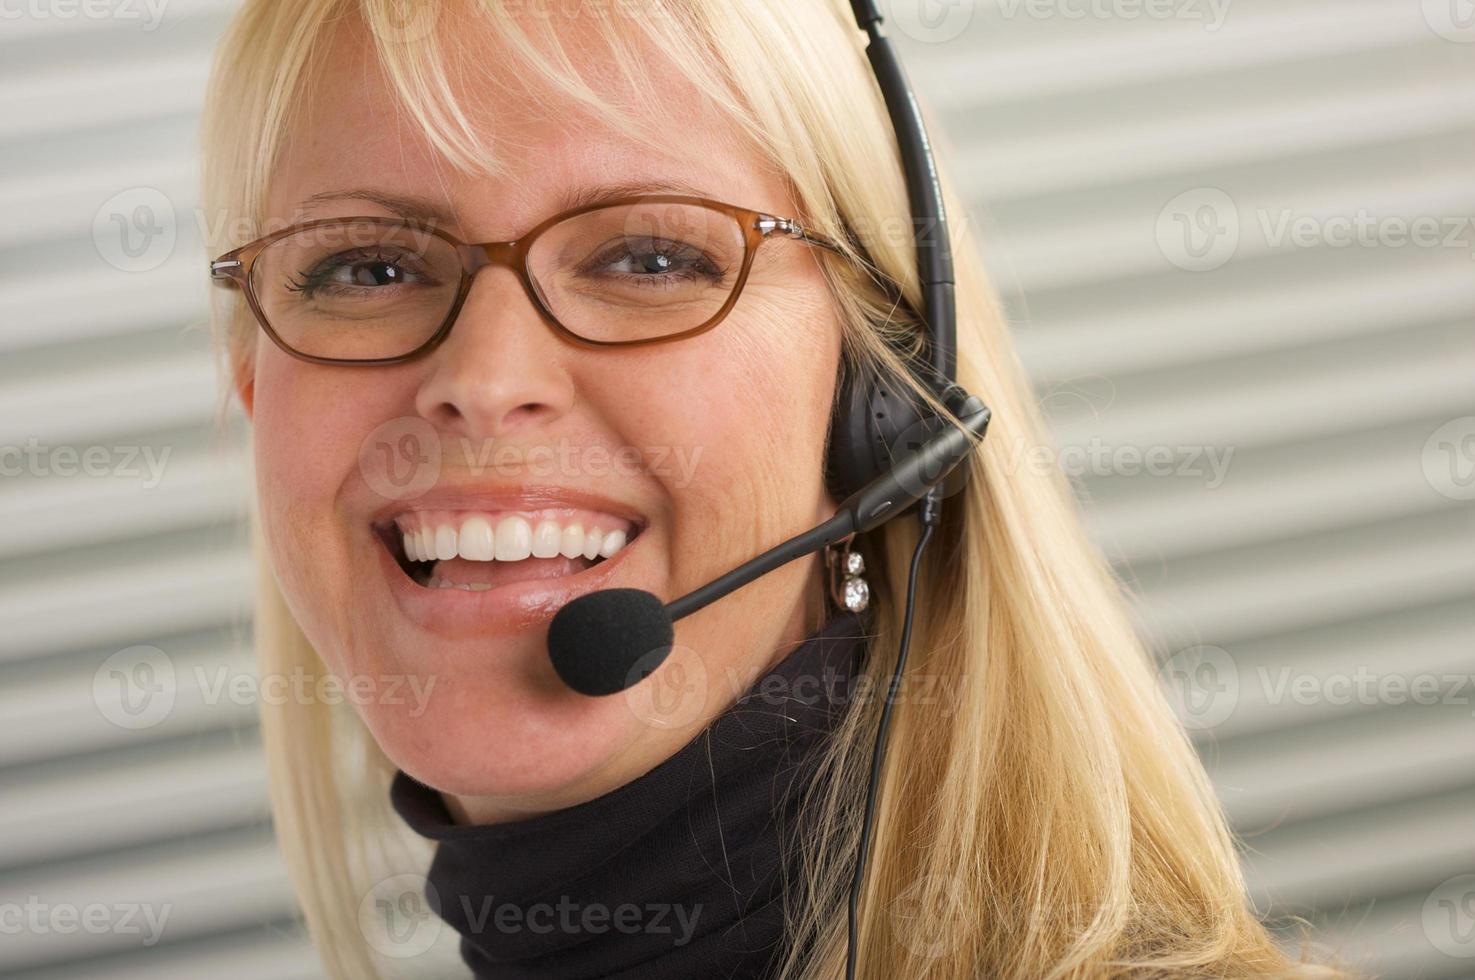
(678,873)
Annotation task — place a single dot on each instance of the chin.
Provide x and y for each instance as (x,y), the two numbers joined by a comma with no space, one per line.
(530,748)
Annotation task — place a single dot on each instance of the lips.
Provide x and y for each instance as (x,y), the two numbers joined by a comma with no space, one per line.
(487,565)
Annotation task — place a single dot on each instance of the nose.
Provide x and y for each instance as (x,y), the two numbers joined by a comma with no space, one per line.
(501,369)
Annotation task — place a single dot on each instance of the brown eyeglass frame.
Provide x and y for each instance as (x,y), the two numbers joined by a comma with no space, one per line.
(234,268)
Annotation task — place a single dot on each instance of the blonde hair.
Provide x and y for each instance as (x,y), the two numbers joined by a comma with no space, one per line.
(1054,821)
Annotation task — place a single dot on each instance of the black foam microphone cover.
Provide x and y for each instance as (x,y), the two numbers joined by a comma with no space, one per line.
(607,641)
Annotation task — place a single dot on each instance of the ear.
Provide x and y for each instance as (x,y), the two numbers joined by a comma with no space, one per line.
(243,379)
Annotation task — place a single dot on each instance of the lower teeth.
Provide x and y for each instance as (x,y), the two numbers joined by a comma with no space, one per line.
(436,582)
(440,583)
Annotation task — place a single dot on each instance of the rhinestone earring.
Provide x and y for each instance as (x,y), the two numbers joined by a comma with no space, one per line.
(847,589)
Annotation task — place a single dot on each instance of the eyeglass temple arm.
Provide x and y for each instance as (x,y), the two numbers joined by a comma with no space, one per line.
(225,272)
(788,227)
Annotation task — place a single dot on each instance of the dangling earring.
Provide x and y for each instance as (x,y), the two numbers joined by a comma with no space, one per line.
(847,589)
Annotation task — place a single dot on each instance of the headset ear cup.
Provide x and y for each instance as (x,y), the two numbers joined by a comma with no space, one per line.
(848,459)
(876,420)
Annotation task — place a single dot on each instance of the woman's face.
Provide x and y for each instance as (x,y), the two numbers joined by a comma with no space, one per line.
(702,452)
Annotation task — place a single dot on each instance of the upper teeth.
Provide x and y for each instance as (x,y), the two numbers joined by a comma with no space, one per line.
(480,537)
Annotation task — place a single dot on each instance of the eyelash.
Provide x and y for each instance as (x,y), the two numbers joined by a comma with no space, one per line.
(310,282)
(700,266)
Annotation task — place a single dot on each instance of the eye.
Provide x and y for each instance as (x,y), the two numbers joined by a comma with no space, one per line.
(361,271)
(653,260)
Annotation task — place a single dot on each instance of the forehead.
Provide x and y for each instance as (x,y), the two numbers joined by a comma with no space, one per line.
(354,131)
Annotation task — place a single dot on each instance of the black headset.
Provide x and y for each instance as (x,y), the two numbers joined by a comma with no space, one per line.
(878,418)
(889,452)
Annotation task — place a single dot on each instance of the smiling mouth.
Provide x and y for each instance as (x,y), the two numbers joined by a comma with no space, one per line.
(476,552)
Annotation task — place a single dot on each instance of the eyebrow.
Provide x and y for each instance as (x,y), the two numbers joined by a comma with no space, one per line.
(424,209)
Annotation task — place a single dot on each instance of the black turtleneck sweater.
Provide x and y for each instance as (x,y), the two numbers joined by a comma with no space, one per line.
(678,874)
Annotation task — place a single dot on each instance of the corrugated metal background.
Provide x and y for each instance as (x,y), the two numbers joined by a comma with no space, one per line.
(1236,239)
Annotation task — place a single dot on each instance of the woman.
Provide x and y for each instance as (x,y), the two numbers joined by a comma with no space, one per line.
(618,405)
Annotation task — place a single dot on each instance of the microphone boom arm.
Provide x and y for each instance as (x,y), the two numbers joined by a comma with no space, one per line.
(909,479)
(810,541)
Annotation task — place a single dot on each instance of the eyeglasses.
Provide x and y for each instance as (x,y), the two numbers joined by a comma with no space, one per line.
(636,270)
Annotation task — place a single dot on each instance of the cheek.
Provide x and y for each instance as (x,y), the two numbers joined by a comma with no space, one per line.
(308,425)
(300,429)
(748,407)
(311,422)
